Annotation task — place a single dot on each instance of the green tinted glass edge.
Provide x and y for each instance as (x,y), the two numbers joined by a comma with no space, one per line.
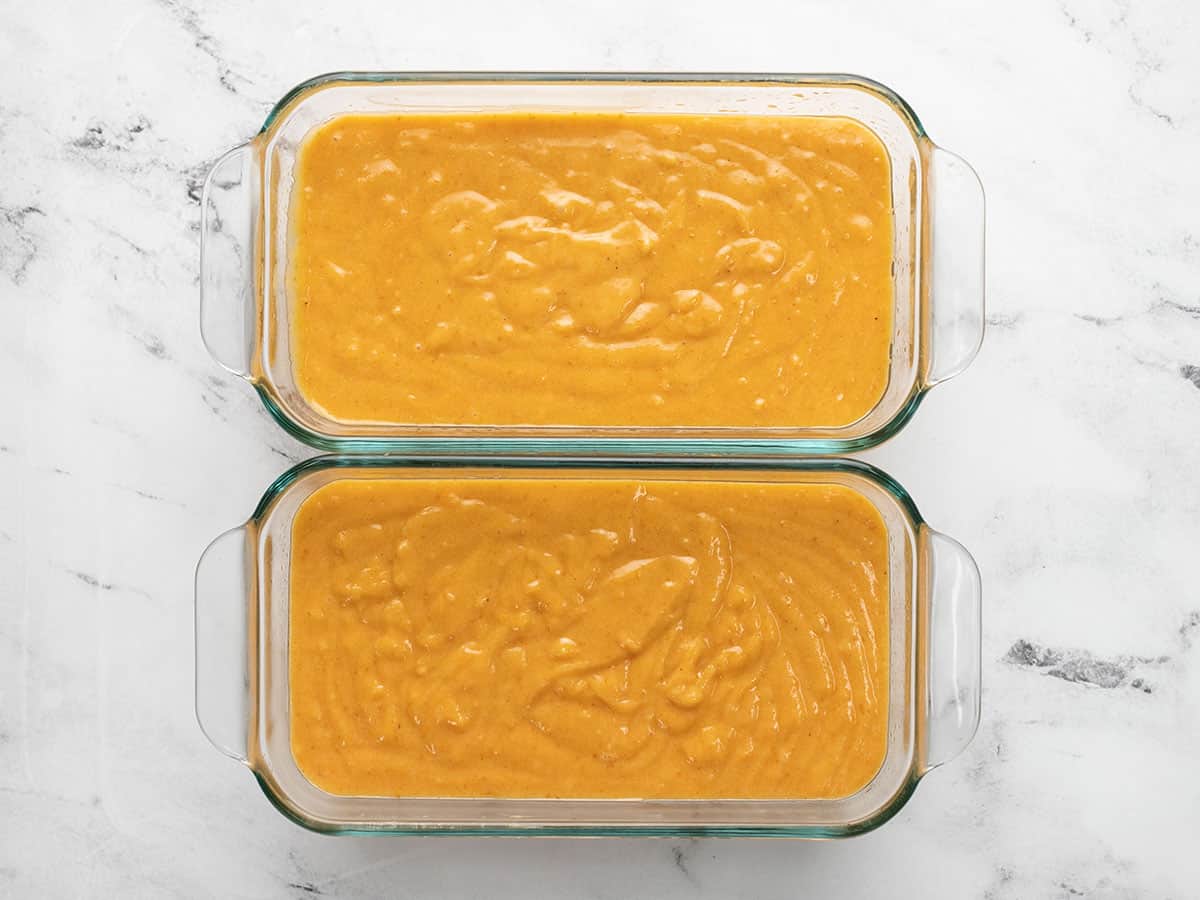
(841,78)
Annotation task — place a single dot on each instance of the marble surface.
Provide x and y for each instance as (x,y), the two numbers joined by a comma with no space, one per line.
(1065,458)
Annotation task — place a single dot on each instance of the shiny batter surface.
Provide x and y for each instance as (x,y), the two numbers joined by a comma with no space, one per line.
(588,638)
(591,269)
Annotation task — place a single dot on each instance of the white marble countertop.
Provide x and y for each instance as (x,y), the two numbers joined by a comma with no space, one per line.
(1065,458)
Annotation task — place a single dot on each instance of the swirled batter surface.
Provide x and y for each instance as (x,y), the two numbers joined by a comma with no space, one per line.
(588,638)
(592,269)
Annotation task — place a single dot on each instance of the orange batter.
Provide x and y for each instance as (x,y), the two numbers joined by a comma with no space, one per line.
(592,269)
(588,638)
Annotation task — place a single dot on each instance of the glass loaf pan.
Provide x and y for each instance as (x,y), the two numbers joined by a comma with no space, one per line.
(938,249)
(242,596)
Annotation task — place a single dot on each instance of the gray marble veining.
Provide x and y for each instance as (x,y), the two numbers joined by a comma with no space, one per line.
(1065,458)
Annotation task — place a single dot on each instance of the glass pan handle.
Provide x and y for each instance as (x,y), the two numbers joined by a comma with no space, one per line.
(951,595)
(956,260)
(223,579)
(227,259)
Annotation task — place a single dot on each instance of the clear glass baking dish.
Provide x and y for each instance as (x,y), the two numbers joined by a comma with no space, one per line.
(242,663)
(938,248)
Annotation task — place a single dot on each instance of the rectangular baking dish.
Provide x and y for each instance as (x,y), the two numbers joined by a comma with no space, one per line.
(938,253)
(242,592)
